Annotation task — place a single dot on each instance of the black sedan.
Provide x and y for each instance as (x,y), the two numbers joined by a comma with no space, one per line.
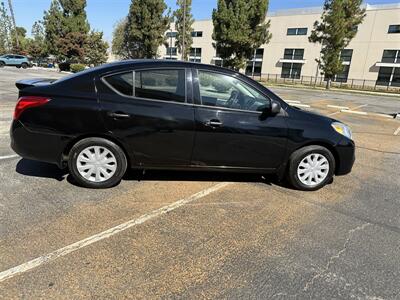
(154,114)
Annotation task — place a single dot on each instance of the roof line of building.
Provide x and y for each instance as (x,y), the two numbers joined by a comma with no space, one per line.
(318,10)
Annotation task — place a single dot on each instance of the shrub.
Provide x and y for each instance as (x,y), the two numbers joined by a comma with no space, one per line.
(64,66)
(75,68)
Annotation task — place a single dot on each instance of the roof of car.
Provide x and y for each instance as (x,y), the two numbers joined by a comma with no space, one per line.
(158,62)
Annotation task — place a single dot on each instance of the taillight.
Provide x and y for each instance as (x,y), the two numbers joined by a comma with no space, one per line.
(27,102)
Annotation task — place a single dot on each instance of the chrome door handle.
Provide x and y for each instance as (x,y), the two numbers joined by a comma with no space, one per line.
(213,123)
(118,115)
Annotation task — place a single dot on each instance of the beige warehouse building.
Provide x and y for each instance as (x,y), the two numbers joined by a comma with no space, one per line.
(373,55)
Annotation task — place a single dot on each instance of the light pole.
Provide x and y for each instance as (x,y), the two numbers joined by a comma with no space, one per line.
(170,43)
(14,24)
(184,31)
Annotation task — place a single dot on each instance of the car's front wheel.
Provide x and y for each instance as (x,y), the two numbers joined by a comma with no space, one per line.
(2,64)
(97,163)
(311,168)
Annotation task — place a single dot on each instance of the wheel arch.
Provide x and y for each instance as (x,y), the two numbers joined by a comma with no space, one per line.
(71,143)
(326,145)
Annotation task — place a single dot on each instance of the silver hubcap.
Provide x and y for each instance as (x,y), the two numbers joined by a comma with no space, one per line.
(96,164)
(313,169)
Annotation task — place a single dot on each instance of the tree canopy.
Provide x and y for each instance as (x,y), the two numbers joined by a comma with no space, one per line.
(184,27)
(145,28)
(337,27)
(239,28)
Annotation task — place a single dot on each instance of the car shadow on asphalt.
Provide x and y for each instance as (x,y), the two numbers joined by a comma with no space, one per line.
(40,169)
(161,175)
(32,168)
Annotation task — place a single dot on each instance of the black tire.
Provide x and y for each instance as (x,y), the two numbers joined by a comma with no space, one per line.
(24,65)
(118,153)
(298,156)
(2,64)
(18,67)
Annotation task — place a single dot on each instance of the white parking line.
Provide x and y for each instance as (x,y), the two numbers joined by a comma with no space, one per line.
(397,131)
(353,112)
(293,101)
(34,263)
(300,105)
(338,106)
(381,115)
(8,156)
(354,108)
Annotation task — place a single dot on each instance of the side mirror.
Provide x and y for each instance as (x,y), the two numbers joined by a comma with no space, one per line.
(275,107)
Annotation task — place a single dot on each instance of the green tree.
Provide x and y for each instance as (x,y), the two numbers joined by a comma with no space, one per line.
(118,47)
(53,25)
(20,47)
(184,27)
(239,28)
(96,49)
(67,29)
(36,45)
(145,28)
(338,26)
(5,30)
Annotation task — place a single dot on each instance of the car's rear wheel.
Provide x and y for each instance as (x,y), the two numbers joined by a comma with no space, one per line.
(311,168)
(24,65)
(18,67)
(97,163)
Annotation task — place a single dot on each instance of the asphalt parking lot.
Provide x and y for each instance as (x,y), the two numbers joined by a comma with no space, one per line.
(190,235)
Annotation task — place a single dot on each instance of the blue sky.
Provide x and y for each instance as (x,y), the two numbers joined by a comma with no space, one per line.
(103,14)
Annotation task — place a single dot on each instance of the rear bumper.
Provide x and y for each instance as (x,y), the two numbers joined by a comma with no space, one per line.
(38,146)
(346,154)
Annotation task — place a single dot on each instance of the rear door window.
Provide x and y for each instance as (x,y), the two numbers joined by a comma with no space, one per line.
(163,84)
(121,83)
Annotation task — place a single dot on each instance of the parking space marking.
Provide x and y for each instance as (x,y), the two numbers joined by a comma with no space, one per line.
(34,263)
(397,131)
(293,101)
(338,106)
(353,112)
(354,108)
(300,105)
(8,156)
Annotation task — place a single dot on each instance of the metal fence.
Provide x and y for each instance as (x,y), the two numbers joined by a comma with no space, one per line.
(312,81)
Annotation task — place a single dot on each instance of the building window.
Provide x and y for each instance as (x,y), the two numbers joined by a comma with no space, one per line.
(171,34)
(297,31)
(197,33)
(389,76)
(219,62)
(391,56)
(253,67)
(394,29)
(291,70)
(195,55)
(294,54)
(345,56)
(172,51)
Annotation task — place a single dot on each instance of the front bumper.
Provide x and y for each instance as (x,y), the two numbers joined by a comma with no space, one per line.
(345,150)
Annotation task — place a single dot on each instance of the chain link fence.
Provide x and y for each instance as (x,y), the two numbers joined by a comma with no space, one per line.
(312,81)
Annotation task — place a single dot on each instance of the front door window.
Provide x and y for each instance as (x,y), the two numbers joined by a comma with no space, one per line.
(228,92)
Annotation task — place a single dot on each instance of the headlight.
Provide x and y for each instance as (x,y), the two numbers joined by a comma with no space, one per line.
(342,129)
